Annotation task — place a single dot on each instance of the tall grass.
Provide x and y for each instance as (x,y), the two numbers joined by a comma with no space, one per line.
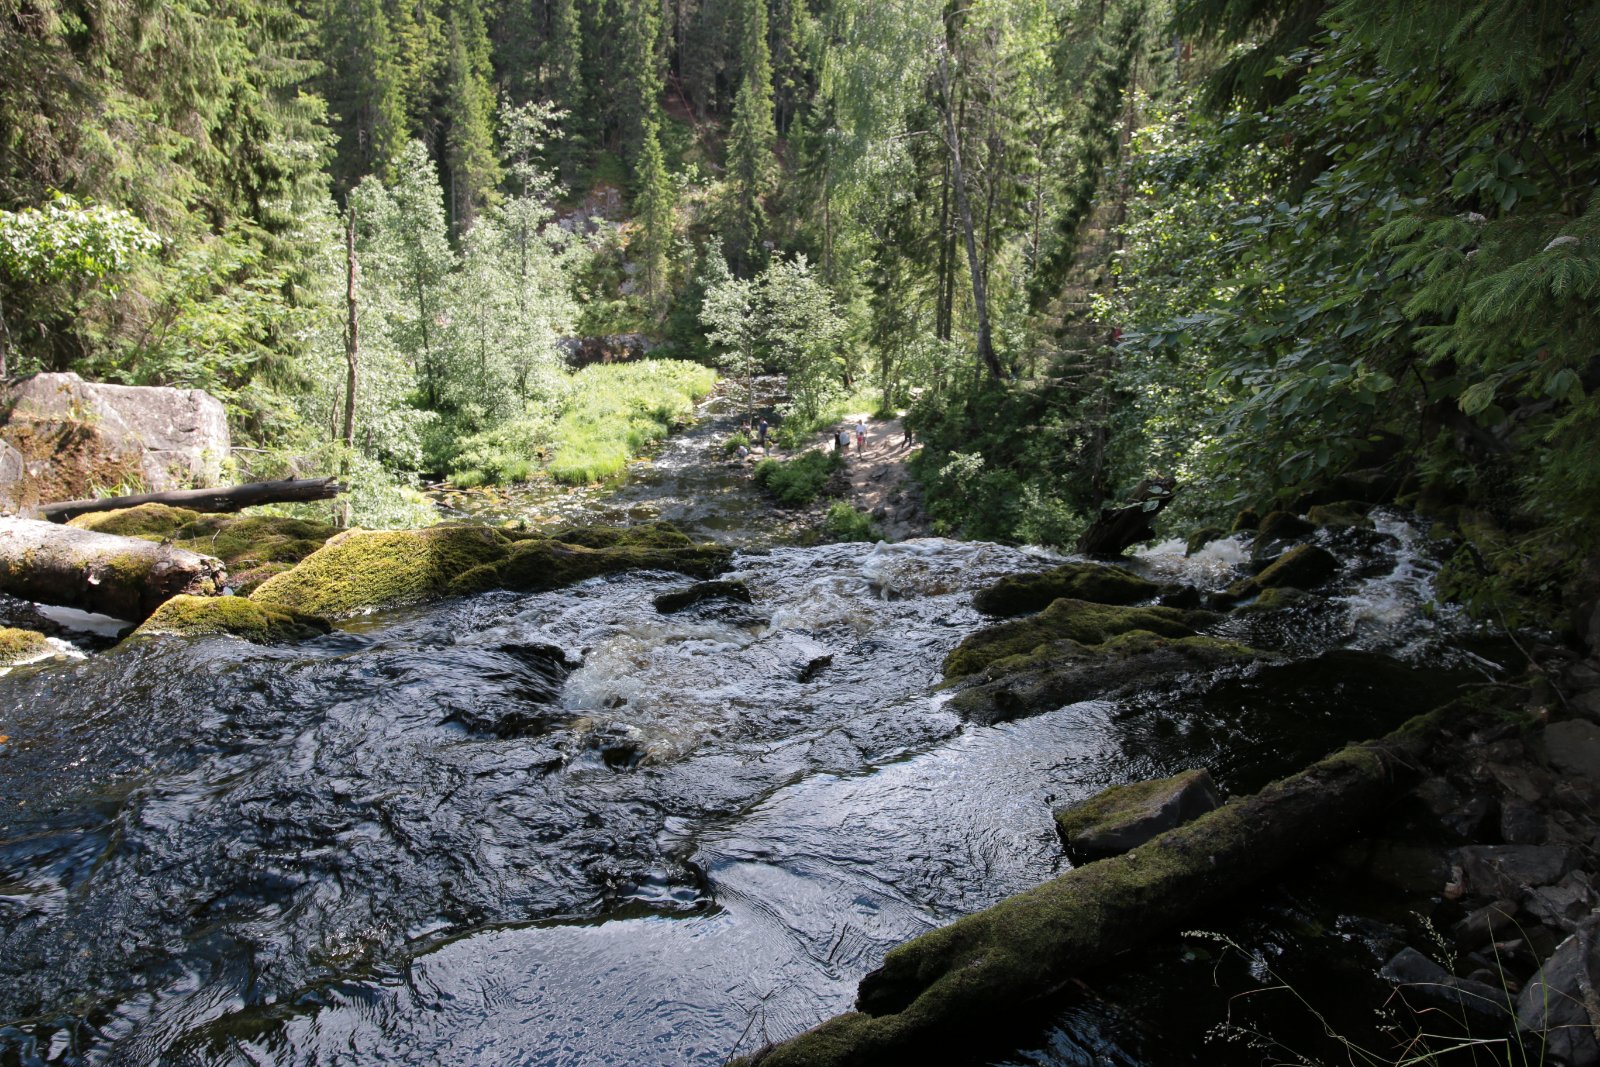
(618,410)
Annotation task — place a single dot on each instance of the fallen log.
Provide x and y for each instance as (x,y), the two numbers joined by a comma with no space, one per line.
(229,498)
(124,577)
(1117,528)
(934,992)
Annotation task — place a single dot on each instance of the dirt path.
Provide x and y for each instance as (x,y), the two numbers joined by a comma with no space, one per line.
(879,482)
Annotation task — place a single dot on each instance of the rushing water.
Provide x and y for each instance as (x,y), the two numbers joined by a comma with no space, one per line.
(567,829)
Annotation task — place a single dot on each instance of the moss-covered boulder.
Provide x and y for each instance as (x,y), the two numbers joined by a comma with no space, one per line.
(1303,567)
(679,599)
(1246,520)
(155,521)
(1201,538)
(1279,598)
(244,541)
(537,565)
(1019,594)
(1344,514)
(22,646)
(193,616)
(1126,816)
(1066,620)
(254,547)
(1281,526)
(1065,672)
(362,570)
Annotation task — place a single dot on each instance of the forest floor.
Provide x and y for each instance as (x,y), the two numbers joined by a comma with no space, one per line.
(880,484)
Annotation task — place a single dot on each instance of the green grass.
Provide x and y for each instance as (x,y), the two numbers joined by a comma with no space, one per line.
(795,432)
(618,410)
(799,480)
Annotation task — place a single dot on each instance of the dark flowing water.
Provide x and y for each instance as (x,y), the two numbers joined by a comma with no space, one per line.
(565,829)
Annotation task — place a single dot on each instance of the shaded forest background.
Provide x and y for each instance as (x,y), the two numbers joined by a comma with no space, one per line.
(1272,248)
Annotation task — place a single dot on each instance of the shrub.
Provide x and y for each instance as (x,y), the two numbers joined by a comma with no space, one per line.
(845,523)
(799,480)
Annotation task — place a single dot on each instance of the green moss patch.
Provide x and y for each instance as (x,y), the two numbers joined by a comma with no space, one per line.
(193,616)
(534,566)
(18,646)
(1067,619)
(1303,567)
(362,571)
(152,521)
(1018,594)
(245,541)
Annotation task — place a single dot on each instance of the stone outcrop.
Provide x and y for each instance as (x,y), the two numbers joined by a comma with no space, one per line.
(66,438)
(1126,816)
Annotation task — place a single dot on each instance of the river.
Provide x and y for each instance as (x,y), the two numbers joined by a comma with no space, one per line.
(566,829)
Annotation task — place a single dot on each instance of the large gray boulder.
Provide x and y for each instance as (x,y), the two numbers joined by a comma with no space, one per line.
(1558,1004)
(65,438)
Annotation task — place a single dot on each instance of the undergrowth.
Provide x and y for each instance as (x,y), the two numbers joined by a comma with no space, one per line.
(800,480)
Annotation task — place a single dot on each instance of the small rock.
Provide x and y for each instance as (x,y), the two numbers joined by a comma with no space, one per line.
(1574,748)
(1470,819)
(1525,782)
(1485,925)
(1552,1005)
(1438,796)
(1425,979)
(1586,705)
(1511,870)
(1521,823)
(1563,904)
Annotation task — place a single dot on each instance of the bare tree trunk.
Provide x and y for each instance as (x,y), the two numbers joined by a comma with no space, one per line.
(980,290)
(352,339)
(124,577)
(232,498)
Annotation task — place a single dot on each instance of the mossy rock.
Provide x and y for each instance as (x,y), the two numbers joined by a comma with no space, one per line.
(679,599)
(1201,538)
(246,541)
(652,535)
(151,521)
(250,579)
(1279,598)
(1126,816)
(1066,619)
(538,565)
(1019,594)
(1304,567)
(236,616)
(1339,516)
(22,646)
(362,570)
(1065,672)
(1246,520)
(1281,526)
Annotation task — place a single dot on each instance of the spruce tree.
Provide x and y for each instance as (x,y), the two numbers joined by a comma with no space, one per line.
(653,202)
(639,99)
(363,88)
(469,119)
(751,142)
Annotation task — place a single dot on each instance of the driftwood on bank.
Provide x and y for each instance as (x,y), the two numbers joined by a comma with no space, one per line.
(1117,528)
(124,577)
(936,991)
(230,498)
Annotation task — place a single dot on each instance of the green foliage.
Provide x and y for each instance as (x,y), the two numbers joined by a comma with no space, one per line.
(66,240)
(618,410)
(800,480)
(845,523)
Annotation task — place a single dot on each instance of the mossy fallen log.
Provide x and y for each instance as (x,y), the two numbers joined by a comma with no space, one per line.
(120,576)
(934,992)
